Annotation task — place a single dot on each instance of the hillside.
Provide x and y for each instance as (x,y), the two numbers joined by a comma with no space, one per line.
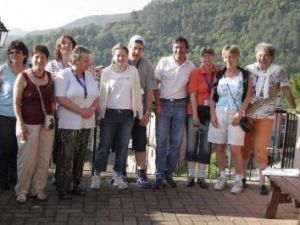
(97,20)
(101,20)
(215,23)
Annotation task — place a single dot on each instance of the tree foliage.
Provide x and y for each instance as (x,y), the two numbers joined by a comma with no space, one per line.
(214,23)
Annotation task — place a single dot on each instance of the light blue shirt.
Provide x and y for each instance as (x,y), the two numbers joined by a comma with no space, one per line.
(236,87)
(6,92)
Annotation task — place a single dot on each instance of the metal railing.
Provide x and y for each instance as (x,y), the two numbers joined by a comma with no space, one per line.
(281,146)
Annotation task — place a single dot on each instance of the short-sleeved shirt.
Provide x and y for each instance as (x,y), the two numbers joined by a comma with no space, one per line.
(66,85)
(54,67)
(230,97)
(146,73)
(261,108)
(201,83)
(173,77)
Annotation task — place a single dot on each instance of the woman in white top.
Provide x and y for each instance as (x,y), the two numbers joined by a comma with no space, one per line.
(229,100)
(78,98)
(120,102)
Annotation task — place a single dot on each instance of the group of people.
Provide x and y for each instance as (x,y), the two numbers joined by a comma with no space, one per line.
(50,107)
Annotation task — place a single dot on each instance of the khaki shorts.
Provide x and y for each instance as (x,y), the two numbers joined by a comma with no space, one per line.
(226,133)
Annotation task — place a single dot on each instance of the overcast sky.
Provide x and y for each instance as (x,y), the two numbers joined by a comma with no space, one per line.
(31,15)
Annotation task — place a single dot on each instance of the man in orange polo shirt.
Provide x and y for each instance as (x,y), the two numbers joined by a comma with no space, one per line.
(199,87)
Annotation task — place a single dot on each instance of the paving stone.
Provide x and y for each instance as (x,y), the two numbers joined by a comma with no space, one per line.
(136,206)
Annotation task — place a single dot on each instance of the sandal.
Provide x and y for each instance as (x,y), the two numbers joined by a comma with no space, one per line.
(21,198)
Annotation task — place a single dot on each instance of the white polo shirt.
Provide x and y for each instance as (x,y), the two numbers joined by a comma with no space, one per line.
(173,77)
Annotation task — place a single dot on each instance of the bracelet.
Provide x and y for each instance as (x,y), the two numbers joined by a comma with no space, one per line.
(148,113)
(93,108)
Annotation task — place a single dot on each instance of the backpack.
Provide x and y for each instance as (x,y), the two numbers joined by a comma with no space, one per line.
(221,73)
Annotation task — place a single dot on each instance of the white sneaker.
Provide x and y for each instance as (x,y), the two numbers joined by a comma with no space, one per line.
(112,182)
(237,187)
(120,182)
(221,183)
(96,182)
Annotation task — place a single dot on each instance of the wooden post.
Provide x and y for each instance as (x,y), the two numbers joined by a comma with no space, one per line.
(273,202)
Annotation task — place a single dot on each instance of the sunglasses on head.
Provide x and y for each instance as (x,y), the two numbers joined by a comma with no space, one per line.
(15,52)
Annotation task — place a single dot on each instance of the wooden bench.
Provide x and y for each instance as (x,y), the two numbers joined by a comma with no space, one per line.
(284,190)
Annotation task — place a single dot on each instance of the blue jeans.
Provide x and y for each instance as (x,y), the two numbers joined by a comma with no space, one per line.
(197,149)
(115,129)
(169,131)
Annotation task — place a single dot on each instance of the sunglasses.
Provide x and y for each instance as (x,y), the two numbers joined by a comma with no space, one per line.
(15,52)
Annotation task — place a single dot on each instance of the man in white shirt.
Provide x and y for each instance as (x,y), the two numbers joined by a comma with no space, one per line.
(172,74)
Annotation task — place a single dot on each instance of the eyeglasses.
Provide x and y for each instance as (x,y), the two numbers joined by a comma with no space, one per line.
(15,52)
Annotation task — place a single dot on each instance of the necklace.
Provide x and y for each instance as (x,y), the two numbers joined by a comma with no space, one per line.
(39,77)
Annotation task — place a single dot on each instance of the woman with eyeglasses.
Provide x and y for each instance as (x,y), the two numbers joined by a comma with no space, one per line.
(17,54)
(78,102)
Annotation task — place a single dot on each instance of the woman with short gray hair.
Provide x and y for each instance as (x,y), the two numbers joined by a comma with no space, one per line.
(78,98)
(267,80)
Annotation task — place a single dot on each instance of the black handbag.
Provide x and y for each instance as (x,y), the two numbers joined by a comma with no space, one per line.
(203,113)
(245,124)
(244,121)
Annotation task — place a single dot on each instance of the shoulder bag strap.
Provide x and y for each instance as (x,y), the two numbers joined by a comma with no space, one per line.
(39,91)
(237,108)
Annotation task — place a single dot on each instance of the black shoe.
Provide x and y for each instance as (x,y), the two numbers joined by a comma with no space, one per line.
(263,190)
(171,182)
(64,195)
(4,186)
(144,182)
(77,191)
(202,183)
(160,183)
(190,182)
(244,181)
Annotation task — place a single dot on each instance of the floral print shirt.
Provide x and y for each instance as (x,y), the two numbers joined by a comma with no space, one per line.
(260,107)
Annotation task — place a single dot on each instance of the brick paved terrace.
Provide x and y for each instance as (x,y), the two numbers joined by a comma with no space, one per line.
(172,206)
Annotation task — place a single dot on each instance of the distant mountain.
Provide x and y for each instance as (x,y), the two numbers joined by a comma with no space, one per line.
(97,20)
(15,33)
(214,23)
(101,20)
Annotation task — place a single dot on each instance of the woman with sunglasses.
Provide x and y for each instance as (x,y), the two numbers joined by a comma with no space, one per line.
(17,54)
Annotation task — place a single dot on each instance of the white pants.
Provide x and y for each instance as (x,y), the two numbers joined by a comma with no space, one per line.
(33,160)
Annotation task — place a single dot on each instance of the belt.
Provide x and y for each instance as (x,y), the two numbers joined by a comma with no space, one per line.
(119,110)
(172,99)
